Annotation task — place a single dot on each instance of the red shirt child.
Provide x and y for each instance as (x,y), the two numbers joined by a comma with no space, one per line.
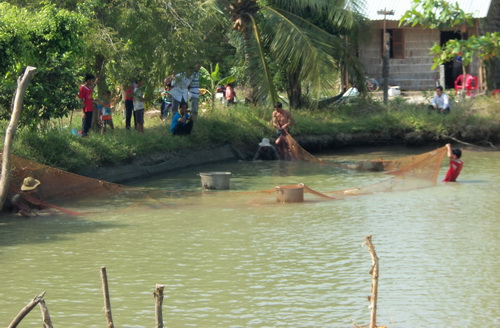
(456,164)
(85,95)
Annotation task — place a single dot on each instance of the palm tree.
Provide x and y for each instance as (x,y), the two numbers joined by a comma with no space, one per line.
(284,31)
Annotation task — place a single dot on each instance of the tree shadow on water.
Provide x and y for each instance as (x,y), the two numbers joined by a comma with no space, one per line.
(17,230)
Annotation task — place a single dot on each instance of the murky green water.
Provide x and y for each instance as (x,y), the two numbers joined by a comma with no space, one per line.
(235,259)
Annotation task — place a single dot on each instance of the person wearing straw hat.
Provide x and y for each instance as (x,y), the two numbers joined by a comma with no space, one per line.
(22,203)
(266,151)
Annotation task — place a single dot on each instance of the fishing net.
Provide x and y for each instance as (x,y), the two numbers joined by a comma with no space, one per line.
(58,184)
(407,173)
(299,153)
(402,174)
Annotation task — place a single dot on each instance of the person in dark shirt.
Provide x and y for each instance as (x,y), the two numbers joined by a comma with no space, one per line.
(182,123)
(266,151)
(25,203)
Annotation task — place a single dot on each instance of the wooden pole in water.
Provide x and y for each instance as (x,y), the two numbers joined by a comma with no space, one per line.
(47,322)
(374,272)
(158,294)
(20,316)
(107,302)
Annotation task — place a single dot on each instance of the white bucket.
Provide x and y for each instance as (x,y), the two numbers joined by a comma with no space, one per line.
(215,180)
(290,194)
(394,91)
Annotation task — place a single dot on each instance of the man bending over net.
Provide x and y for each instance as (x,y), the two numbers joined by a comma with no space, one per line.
(282,120)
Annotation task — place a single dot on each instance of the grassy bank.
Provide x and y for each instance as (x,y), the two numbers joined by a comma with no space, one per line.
(475,121)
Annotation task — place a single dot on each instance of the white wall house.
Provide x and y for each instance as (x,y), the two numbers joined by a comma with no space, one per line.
(410,60)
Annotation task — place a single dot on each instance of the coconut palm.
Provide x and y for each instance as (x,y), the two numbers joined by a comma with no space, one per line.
(285,31)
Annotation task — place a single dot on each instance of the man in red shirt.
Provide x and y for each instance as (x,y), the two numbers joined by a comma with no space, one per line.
(456,164)
(129,106)
(85,95)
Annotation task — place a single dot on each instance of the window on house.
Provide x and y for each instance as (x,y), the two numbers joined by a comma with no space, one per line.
(396,43)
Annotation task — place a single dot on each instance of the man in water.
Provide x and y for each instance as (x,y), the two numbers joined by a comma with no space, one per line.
(26,202)
(456,164)
(266,151)
(282,120)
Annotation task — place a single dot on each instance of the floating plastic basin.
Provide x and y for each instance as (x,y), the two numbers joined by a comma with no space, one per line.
(290,194)
(215,180)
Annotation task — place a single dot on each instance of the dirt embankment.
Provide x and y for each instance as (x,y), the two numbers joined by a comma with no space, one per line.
(162,163)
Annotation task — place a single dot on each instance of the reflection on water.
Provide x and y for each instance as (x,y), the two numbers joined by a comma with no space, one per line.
(239,259)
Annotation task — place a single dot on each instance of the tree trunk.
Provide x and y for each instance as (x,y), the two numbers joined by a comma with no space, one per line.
(102,87)
(294,90)
(249,61)
(22,85)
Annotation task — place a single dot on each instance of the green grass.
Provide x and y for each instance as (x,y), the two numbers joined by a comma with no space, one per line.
(472,121)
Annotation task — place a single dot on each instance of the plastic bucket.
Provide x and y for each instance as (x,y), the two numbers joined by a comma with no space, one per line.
(215,180)
(290,194)
(394,91)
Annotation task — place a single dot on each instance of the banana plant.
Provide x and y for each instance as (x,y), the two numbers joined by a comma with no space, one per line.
(282,31)
(209,80)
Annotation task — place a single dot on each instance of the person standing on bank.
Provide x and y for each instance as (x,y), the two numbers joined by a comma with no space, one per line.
(440,102)
(85,95)
(282,120)
(230,95)
(194,91)
(139,106)
(179,90)
(456,164)
(129,106)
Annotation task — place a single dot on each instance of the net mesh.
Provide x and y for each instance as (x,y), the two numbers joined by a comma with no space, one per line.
(58,184)
(407,173)
(298,153)
(402,174)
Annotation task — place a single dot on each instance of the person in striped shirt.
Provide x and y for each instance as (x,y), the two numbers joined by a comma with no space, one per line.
(194,91)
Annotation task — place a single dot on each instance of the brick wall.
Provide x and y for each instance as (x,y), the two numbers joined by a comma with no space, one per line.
(414,71)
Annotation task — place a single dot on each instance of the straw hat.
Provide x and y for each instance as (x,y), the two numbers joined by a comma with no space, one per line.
(29,183)
(265,143)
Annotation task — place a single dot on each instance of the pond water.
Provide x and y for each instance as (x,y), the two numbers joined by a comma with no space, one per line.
(239,259)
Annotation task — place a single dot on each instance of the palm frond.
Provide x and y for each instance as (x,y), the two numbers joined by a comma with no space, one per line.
(215,12)
(259,70)
(302,47)
(340,12)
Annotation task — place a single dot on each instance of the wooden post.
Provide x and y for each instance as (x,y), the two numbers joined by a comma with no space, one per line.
(374,272)
(385,54)
(158,294)
(26,310)
(17,106)
(107,302)
(47,322)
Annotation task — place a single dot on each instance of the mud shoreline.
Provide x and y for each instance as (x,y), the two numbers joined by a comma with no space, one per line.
(161,163)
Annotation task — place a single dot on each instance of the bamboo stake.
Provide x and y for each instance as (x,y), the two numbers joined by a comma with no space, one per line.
(17,107)
(107,302)
(158,294)
(374,272)
(47,322)
(26,310)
